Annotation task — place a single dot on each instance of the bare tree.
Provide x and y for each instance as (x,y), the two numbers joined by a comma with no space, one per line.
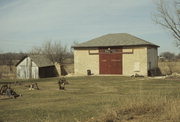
(36,50)
(55,51)
(10,61)
(168,16)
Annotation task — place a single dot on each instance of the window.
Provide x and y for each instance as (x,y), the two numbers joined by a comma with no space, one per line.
(136,67)
(109,50)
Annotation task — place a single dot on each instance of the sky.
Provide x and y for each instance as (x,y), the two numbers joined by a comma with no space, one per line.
(28,23)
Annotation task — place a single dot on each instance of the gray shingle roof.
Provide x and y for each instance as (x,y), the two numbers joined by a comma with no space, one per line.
(41,60)
(118,39)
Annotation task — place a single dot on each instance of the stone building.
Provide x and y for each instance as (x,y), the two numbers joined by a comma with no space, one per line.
(36,66)
(120,53)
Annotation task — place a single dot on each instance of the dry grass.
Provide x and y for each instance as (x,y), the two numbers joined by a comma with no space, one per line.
(161,110)
(96,99)
(7,73)
(169,67)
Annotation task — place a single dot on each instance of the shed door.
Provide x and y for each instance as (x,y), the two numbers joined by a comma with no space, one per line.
(110,61)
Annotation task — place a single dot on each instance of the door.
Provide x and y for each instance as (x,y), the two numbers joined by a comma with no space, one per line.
(110,60)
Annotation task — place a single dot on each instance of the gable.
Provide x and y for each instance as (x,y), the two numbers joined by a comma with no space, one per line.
(26,62)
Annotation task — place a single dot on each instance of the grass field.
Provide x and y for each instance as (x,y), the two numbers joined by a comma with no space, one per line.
(103,98)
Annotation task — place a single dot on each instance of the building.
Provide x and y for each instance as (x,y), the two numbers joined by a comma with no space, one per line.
(120,53)
(35,66)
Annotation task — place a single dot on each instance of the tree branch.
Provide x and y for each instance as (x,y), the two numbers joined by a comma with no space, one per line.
(169,19)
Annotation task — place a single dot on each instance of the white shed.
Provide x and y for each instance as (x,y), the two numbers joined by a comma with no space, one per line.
(35,66)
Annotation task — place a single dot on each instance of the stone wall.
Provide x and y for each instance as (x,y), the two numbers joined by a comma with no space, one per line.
(135,62)
(84,61)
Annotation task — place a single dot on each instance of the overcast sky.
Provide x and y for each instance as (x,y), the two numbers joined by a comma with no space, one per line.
(28,23)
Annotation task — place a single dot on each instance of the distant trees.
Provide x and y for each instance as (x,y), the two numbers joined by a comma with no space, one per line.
(168,16)
(170,56)
(10,59)
(55,51)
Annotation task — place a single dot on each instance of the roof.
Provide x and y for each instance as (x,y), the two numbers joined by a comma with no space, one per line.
(39,60)
(118,39)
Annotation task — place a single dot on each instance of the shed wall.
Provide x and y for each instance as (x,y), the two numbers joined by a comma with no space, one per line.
(135,62)
(152,58)
(27,69)
(83,61)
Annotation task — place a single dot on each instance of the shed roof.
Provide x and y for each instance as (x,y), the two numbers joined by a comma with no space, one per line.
(117,39)
(39,60)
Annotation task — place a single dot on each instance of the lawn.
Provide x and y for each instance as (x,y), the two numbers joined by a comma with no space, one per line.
(96,98)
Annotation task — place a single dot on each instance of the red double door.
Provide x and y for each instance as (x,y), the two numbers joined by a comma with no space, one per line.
(110,61)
